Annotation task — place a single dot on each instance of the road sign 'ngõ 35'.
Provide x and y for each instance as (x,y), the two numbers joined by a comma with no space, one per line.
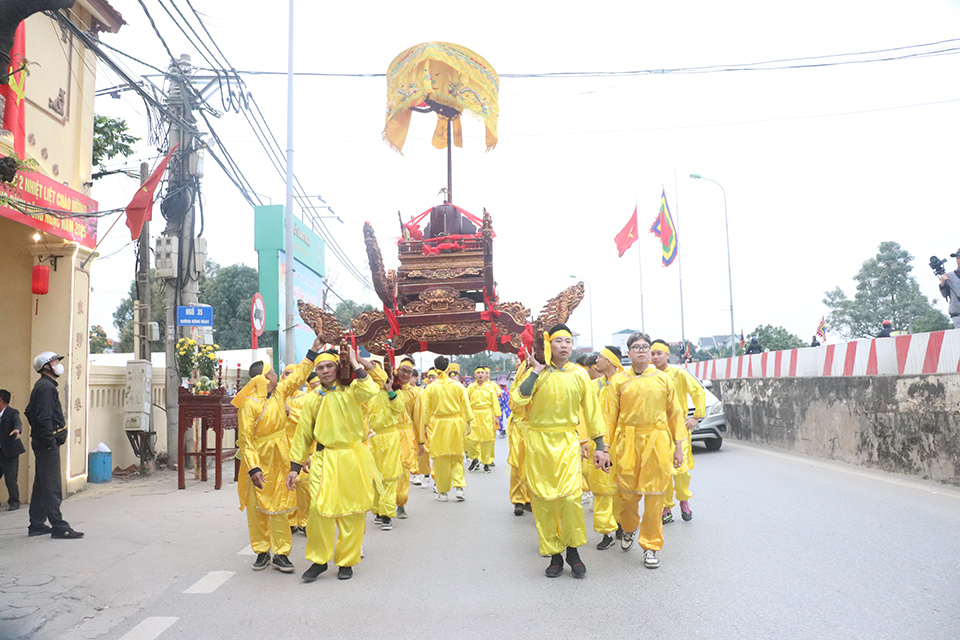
(194,316)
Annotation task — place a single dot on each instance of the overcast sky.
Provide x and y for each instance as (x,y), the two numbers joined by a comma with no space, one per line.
(820,165)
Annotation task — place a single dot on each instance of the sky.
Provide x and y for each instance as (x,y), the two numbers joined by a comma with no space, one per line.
(819,165)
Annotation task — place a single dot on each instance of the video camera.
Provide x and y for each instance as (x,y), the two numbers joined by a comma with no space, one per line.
(937,265)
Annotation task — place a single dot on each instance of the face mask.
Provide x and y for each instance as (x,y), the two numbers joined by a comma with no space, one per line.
(58,369)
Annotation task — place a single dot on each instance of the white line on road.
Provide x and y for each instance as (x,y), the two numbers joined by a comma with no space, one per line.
(149,629)
(247,551)
(210,582)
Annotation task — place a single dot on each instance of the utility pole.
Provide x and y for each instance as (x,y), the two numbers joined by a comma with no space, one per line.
(147,447)
(287,330)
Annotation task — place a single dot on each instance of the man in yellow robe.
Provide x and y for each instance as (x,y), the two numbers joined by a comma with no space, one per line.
(383,412)
(264,450)
(409,440)
(557,395)
(516,435)
(446,416)
(343,472)
(600,481)
(645,424)
(485,401)
(423,456)
(686,385)
(298,517)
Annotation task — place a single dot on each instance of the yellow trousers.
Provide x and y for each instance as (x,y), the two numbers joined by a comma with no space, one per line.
(267,531)
(681,484)
(299,517)
(560,523)
(423,464)
(448,471)
(403,488)
(651,527)
(472,448)
(344,532)
(486,452)
(603,519)
(386,502)
(518,490)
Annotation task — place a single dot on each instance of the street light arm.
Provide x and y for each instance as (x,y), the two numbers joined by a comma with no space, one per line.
(726,224)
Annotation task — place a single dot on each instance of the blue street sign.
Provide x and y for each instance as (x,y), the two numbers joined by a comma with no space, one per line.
(194,316)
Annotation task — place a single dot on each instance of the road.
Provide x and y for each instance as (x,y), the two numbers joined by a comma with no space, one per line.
(780,546)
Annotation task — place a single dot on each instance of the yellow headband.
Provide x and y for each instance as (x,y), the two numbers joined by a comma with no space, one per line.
(453,367)
(660,347)
(327,357)
(547,338)
(257,385)
(432,372)
(289,368)
(614,360)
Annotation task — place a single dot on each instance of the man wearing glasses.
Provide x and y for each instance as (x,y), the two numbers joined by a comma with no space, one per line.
(645,424)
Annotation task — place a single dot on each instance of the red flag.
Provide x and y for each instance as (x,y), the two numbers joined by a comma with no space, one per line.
(140,209)
(13,95)
(628,235)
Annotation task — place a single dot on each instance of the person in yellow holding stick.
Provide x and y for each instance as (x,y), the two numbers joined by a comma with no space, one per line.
(384,411)
(485,401)
(516,435)
(410,441)
(686,385)
(298,517)
(343,473)
(446,416)
(264,450)
(557,393)
(645,424)
(601,482)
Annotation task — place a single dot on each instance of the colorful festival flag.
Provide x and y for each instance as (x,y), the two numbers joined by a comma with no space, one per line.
(664,228)
(628,235)
(140,209)
(14,94)
(743,341)
(822,329)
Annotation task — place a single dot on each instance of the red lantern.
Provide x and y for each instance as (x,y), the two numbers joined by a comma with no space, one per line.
(41,280)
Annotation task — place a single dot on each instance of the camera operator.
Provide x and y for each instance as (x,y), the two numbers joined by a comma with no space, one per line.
(950,289)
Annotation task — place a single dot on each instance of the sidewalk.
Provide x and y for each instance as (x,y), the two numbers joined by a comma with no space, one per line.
(132,551)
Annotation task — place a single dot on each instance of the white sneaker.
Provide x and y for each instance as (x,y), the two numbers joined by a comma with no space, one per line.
(426,482)
(627,541)
(650,559)
(415,479)
(586,499)
(361,551)
(442,497)
(458,492)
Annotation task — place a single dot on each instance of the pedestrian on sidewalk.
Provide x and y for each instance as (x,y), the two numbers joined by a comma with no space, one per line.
(48,432)
(11,448)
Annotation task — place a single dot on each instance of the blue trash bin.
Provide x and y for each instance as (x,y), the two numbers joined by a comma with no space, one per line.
(101,466)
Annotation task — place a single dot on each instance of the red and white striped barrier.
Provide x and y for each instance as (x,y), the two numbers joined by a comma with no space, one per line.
(937,352)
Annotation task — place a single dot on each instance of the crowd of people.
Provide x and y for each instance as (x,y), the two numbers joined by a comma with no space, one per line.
(316,461)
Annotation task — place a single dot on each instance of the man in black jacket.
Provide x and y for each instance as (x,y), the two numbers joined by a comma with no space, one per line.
(10,449)
(48,431)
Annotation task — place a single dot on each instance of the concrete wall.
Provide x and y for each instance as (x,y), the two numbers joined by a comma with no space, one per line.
(906,424)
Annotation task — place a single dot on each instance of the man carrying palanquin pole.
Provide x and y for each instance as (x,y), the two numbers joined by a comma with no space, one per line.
(485,401)
(558,393)
(410,441)
(264,449)
(446,416)
(383,413)
(516,434)
(298,517)
(342,469)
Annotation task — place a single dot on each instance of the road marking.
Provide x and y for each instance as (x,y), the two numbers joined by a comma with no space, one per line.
(149,629)
(849,468)
(210,582)
(247,551)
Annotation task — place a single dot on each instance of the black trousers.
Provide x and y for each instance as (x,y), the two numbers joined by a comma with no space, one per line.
(9,468)
(47,490)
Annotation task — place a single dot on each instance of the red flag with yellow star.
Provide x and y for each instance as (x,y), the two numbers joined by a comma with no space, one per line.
(628,235)
(14,93)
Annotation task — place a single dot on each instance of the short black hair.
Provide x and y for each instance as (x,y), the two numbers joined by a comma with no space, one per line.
(312,376)
(582,359)
(441,363)
(590,360)
(663,342)
(558,327)
(5,396)
(615,351)
(255,369)
(635,337)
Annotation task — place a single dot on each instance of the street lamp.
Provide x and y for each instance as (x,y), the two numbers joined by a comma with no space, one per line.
(591,311)
(726,222)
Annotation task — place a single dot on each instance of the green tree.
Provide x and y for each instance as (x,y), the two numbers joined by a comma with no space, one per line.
(777,338)
(886,290)
(110,139)
(469,364)
(934,320)
(229,290)
(347,310)
(99,342)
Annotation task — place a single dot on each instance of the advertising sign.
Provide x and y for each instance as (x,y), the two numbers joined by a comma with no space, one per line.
(40,191)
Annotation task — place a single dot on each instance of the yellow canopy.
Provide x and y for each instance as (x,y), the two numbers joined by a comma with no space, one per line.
(446,74)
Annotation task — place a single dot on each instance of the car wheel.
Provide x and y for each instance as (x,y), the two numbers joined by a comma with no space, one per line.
(713,444)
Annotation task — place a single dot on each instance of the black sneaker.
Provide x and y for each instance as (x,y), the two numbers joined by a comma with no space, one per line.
(42,530)
(282,563)
(556,566)
(605,543)
(619,534)
(576,564)
(293,530)
(493,464)
(66,534)
(314,572)
(667,516)
(377,519)
(518,509)
(486,468)
(345,573)
(263,559)
(13,506)
(473,464)
(385,523)
(302,530)
(528,507)
(402,512)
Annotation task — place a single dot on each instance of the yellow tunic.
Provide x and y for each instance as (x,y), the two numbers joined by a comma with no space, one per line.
(552,451)
(410,438)
(383,415)
(263,443)
(485,402)
(342,475)
(644,420)
(601,482)
(445,411)
(687,385)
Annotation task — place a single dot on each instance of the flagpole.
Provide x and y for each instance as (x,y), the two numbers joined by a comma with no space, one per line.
(639,270)
(676,222)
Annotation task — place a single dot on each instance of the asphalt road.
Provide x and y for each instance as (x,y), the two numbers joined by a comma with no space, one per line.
(780,546)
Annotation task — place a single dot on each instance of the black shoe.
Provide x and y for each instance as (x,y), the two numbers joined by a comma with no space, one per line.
(282,563)
(486,468)
(314,572)
(42,530)
(386,524)
(528,507)
(13,506)
(66,534)
(518,509)
(401,512)
(293,530)
(556,566)
(493,464)
(576,564)
(263,559)
(345,573)
(302,530)
(473,464)
(605,543)
(619,534)
(377,518)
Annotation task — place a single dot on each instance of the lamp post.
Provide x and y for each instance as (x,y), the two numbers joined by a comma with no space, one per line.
(726,223)
(592,347)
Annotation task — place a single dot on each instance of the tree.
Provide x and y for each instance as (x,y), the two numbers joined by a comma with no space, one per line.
(347,310)
(99,342)
(229,290)
(886,290)
(934,320)
(110,139)
(777,338)
(469,364)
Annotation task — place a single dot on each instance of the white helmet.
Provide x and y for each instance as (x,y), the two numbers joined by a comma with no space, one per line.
(44,358)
